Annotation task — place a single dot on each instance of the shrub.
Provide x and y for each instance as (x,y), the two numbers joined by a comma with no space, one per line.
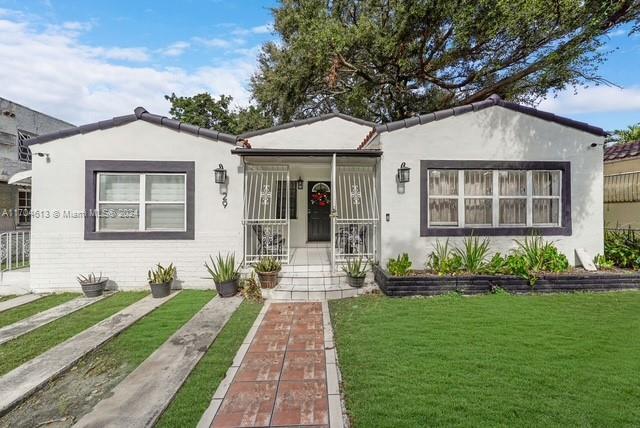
(355,268)
(223,270)
(473,254)
(602,262)
(162,275)
(400,266)
(534,256)
(622,248)
(497,265)
(250,289)
(442,259)
(268,264)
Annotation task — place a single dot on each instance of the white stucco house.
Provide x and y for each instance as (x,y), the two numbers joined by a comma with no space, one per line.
(121,195)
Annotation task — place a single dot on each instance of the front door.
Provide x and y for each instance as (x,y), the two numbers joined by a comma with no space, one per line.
(318,222)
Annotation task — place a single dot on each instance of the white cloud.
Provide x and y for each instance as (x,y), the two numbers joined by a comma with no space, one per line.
(77,26)
(176,49)
(52,71)
(215,42)
(595,99)
(260,29)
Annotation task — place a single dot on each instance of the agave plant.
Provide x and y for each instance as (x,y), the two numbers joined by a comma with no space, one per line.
(355,268)
(268,264)
(90,279)
(223,269)
(162,275)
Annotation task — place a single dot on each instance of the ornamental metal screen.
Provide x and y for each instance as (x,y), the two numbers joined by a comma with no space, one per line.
(623,187)
(356,213)
(266,213)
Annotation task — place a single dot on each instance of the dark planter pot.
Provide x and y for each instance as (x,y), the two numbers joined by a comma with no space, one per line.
(95,289)
(268,279)
(160,290)
(227,289)
(355,282)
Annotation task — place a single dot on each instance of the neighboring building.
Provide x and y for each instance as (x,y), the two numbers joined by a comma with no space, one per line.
(622,185)
(311,192)
(17,125)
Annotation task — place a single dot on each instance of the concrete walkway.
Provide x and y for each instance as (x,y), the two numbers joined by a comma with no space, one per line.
(24,326)
(285,375)
(20,383)
(140,399)
(18,301)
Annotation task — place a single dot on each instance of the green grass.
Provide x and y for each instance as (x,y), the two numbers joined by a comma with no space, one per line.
(24,348)
(498,360)
(137,342)
(42,304)
(195,395)
(7,297)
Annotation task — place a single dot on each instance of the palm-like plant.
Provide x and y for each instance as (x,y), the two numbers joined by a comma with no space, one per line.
(223,269)
(473,254)
(356,268)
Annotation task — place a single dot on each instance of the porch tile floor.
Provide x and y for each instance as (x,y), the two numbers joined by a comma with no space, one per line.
(302,256)
(283,378)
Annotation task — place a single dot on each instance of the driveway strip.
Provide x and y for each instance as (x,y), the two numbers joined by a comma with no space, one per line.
(21,382)
(139,400)
(24,326)
(19,301)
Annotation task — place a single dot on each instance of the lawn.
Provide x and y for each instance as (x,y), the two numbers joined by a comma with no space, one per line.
(24,348)
(42,304)
(195,395)
(497,360)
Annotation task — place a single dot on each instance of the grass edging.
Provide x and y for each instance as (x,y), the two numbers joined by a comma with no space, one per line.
(29,309)
(194,397)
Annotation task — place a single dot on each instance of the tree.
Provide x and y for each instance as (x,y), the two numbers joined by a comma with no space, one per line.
(390,59)
(205,111)
(632,133)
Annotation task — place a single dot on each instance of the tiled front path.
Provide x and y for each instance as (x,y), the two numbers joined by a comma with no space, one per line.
(287,376)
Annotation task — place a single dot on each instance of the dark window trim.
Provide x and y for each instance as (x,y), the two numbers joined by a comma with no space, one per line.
(93,167)
(564,230)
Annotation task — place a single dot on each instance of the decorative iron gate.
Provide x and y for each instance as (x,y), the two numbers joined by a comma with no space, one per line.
(266,213)
(356,213)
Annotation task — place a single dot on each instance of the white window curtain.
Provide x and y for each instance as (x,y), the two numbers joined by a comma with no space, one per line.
(494,198)
(141,202)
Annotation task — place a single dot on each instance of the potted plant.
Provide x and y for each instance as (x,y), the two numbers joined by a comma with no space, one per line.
(267,269)
(225,273)
(92,285)
(356,271)
(160,280)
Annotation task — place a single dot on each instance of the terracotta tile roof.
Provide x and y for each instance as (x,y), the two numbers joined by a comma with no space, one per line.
(622,151)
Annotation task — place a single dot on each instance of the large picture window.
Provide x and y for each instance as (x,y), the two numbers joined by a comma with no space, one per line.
(139,200)
(494,198)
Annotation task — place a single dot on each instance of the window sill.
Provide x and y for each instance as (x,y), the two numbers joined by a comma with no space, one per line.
(138,236)
(496,231)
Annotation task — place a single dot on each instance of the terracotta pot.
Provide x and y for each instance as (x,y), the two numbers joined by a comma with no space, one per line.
(228,288)
(160,290)
(94,289)
(268,279)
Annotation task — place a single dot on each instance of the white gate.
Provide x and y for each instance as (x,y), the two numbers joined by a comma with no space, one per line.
(266,213)
(356,213)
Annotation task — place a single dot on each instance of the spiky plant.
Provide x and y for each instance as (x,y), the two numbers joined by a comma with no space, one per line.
(223,269)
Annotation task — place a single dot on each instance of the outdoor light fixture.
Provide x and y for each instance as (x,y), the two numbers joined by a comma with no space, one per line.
(403,173)
(300,182)
(221,174)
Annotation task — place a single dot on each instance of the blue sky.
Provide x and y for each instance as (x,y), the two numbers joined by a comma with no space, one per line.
(89,60)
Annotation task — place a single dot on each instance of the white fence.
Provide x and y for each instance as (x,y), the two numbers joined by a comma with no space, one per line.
(15,249)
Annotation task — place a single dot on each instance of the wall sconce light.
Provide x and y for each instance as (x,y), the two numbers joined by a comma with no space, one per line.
(300,183)
(46,157)
(221,174)
(403,173)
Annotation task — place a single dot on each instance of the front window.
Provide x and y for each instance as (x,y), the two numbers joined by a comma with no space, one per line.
(24,207)
(495,197)
(141,202)
(24,152)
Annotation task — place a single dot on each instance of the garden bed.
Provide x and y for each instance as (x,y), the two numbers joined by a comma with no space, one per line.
(424,284)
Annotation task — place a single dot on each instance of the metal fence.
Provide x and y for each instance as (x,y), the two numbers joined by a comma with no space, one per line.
(623,187)
(15,250)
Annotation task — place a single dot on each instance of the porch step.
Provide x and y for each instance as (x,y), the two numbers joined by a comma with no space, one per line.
(315,292)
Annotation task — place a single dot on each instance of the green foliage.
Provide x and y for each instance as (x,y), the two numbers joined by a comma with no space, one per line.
(535,256)
(602,262)
(497,265)
(250,289)
(400,266)
(268,264)
(622,248)
(223,269)
(442,259)
(473,254)
(90,278)
(207,112)
(382,60)
(632,133)
(162,275)
(356,267)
